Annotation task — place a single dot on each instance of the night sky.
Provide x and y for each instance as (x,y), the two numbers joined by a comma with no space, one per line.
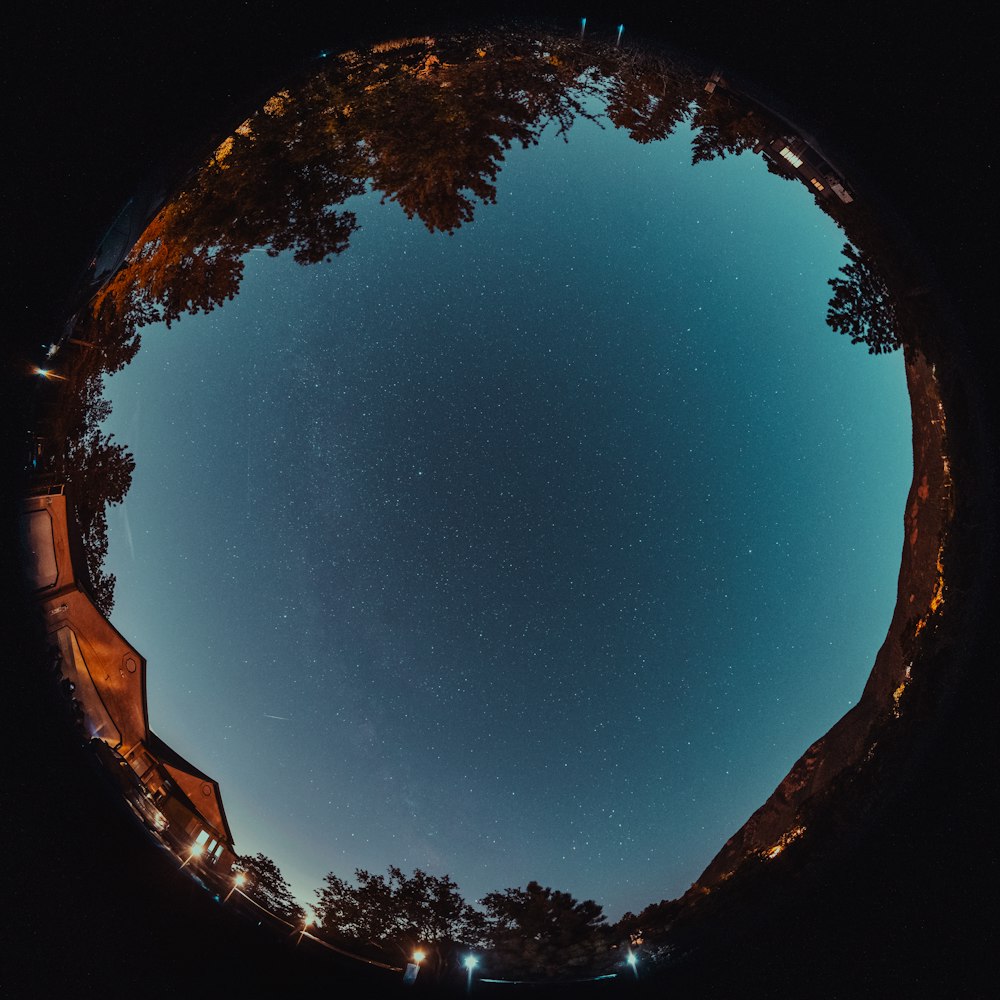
(538,551)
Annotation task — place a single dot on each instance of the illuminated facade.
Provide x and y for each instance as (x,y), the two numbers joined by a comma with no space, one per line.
(106,677)
(189,799)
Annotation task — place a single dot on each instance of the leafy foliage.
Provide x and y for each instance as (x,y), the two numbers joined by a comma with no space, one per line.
(534,932)
(98,472)
(723,127)
(268,887)
(543,933)
(648,101)
(862,306)
(400,911)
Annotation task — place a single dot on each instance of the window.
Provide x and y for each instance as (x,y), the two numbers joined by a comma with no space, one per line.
(795,161)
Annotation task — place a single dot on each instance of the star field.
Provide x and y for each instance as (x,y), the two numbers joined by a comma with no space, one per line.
(539,551)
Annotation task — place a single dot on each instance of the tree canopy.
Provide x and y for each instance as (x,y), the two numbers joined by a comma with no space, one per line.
(98,472)
(542,933)
(401,912)
(534,932)
(862,306)
(267,886)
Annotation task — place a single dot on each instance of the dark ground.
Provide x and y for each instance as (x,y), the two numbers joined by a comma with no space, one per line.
(98,98)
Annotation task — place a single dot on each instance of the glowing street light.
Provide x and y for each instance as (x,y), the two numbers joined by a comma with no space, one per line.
(196,852)
(633,961)
(306,924)
(470,963)
(47,373)
(413,967)
(238,883)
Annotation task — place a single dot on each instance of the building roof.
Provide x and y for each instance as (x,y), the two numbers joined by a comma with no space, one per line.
(202,791)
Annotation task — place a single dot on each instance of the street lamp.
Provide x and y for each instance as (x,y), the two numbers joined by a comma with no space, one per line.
(633,961)
(238,883)
(470,963)
(413,967)
(196,851)
(306,923)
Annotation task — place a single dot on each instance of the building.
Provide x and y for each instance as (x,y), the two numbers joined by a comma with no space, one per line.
(796,157)
(106,677)
(189,799)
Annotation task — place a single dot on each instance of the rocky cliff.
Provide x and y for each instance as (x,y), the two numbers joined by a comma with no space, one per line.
(920,594)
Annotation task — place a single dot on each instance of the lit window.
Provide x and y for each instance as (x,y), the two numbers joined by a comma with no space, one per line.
(816,184)
(795,161)
(201,838)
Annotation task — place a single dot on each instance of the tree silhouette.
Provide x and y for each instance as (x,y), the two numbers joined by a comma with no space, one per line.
(94,537)
(99,469)
(268,887)
(648,100)
(543,933)
(425,123)
(433,127)
(400,912)
(862,306)
(725,125)
(98,473)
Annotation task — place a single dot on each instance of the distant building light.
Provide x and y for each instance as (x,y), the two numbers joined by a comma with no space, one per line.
(785,839)
(795,161)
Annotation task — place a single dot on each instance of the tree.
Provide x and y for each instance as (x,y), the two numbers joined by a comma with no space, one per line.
(99,469)
(401,912)
(433,127)
(268,887)
(545,933)
(862,305)
(94,537)
(725,125)
(99,473)
(648,100)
